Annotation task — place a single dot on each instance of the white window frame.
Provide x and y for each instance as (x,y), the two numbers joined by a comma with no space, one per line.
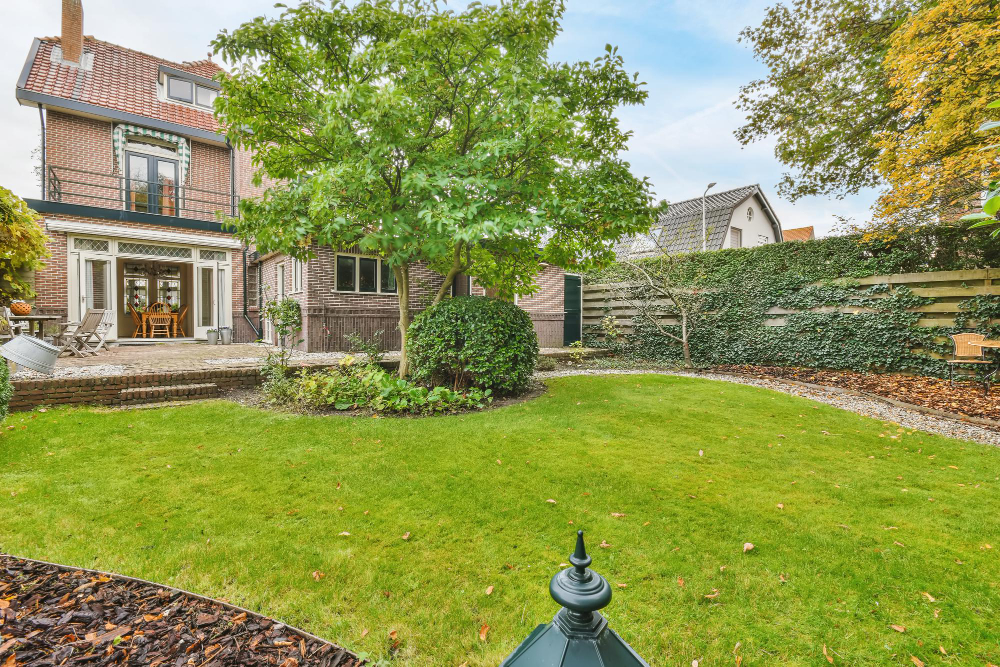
(297,271)
(738,232)
(279,278)
(357,274)
(193,102)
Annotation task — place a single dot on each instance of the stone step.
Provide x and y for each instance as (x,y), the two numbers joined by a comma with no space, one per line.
(177,392)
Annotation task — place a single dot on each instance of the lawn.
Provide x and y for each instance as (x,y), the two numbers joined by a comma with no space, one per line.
(858,526)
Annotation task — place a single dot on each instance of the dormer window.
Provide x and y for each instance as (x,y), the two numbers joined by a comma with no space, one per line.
(180,89)
(185,90)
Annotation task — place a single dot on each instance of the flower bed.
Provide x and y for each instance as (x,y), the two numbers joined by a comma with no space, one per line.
(53,615)
(965,398)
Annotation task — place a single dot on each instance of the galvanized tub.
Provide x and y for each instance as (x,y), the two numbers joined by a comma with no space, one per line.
(32,353)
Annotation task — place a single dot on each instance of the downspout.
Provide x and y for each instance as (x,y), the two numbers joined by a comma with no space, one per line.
(232,203)
(41,118)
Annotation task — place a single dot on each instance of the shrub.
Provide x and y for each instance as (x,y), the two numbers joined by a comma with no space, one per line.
(352,386)
(473,341)
(6,390)
(545,364)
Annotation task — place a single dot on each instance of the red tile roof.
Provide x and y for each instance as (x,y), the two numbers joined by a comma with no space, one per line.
(799,234)
(121,79)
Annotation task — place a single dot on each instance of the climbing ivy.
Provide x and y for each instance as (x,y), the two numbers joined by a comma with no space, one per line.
(747,289)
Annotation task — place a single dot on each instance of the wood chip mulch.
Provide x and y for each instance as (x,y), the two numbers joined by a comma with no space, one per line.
(965,398)
(51,615)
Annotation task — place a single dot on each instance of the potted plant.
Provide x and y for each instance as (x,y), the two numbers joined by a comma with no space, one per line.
(226,335)
(212,336)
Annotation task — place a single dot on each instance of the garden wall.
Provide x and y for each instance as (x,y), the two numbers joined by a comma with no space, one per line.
(823,304)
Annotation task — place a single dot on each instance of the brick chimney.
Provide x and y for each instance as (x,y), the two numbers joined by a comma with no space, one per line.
(72,31)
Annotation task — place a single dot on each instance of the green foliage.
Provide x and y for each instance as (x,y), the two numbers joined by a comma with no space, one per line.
(6,389)
(354,386)
(285,316)
(545,364)
(744,289)
(417,132)
(370,347)
(474,341)
(22,246)
(991,204)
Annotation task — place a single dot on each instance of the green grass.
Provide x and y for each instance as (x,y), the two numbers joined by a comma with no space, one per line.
(245,505)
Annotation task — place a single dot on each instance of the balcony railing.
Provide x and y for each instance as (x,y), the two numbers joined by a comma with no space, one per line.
(106,190)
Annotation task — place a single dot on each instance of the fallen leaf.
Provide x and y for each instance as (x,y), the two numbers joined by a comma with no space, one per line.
(618,515)
(406,535)
(930,598)
(680,581)
(943,652)
(317,575)
(916,661)
(747,546)
(551,501)
(364,633)
(604,545)
(489,590)
(622,585)
(781,506)
(393,634)
(344,534)
(482,632)
(714,594)
(829,658)
(898,628)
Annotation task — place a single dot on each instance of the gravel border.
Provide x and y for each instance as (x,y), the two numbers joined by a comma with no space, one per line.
(863,405)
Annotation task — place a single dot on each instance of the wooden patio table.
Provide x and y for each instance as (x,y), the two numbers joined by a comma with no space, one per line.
(36,323)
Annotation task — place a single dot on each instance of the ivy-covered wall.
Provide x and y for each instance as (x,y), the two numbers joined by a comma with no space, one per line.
(836,322)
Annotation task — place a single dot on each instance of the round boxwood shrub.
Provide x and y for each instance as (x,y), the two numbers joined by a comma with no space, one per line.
(473,341)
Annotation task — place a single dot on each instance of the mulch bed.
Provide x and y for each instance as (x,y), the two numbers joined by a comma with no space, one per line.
(52,615)
(965,398)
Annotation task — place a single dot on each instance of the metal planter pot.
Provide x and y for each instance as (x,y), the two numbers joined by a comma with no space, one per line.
(226,335)
(212,337)
(32,353)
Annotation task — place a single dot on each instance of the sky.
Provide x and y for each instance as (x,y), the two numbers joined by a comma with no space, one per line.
(687,51)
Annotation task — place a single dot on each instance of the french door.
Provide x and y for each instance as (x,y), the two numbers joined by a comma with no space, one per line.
(94,285)
(151,184)
(213,298)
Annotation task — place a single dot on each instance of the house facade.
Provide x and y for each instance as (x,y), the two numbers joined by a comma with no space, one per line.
(136,180)
(737,218)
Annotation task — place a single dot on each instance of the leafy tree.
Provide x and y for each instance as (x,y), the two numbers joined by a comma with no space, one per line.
(826,98)
(991,201)
(22,246)
(943,65)
(418,133)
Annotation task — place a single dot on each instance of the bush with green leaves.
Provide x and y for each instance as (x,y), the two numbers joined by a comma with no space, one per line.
(353,386)
(473,341)
(6,390)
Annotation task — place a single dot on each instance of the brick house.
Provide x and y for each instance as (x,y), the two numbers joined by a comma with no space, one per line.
(136,176)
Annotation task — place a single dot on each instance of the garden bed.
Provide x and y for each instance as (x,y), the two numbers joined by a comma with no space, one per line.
(965,398)
(52,615)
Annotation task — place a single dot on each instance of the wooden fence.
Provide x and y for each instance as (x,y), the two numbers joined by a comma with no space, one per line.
(947,288)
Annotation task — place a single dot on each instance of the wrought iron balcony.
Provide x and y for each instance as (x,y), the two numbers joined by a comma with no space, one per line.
(161,197)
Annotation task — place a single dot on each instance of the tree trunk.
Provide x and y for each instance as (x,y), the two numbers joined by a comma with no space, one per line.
(456,268)
(684,341)
(402,274)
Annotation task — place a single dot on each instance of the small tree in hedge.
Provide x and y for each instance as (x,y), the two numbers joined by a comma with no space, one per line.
(474,341)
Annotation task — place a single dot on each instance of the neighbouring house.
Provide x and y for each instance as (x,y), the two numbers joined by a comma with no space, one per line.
(136,180)
(800,234)
(737,218)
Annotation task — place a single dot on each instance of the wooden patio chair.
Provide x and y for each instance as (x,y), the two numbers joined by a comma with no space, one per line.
(158,307)
(136,320)
(77,341)
(180,320)
(966,353)
(160,322)
(9,328)
(103,329)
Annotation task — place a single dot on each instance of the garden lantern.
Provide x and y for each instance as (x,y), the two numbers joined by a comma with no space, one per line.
(578,636)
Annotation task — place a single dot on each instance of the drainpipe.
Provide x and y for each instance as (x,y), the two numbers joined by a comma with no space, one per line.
(41,118)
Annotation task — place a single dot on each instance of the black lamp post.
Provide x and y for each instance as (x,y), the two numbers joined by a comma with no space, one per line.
(579,635)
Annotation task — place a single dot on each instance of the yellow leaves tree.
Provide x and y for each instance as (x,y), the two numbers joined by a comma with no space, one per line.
(943,67)
(22,246)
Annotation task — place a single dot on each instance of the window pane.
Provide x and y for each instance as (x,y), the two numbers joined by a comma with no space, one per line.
(388,279)
(138,183)
(345,273)
(179,89)
(167,180)
(279,277)
(367,275)
(205,308)
(206,96)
